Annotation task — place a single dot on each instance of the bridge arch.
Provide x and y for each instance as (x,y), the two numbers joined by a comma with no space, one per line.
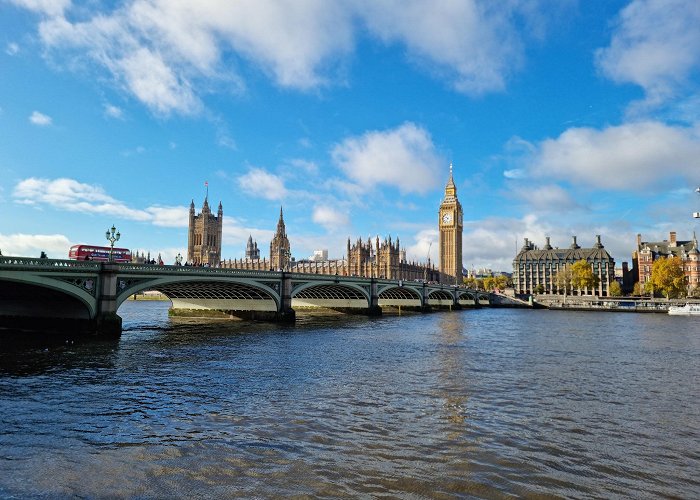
(70,299)
(202,292)
(393,295)
(330,295)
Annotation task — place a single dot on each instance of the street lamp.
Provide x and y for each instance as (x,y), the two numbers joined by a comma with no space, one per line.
(111,237)
(697,214)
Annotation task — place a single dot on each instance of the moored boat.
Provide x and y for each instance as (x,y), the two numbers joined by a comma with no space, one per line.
(686,310)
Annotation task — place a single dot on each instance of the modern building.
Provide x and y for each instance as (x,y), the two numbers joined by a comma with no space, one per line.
(649,251)
(450,225)
(204,236)
(535,269)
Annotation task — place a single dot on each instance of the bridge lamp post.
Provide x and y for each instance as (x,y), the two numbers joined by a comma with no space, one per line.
(697,214)
(111,237)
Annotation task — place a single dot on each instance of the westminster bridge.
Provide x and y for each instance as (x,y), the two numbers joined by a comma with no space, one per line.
(84,296)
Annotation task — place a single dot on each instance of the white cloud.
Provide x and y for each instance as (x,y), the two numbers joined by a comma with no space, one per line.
(654,45)
(474,43)
(425,245)
(112,111)
(307,166)
(235,234)
(56,246)
(260,183)
(166,53)
(548,198)
(330,218)
(73,196)
(403,157)
(40,119)
(628,156)
(12,49)
(47,7)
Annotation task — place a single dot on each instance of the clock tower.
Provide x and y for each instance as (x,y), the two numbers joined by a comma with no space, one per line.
(450,229)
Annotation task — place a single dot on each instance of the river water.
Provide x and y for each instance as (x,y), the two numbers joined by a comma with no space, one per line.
(478,403)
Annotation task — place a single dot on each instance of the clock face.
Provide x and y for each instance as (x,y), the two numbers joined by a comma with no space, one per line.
(447,218)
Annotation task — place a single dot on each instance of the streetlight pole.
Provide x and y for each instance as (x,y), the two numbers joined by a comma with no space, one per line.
(697,214)
(111,237)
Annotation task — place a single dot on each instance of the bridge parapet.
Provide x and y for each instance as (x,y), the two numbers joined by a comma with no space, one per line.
(16,263)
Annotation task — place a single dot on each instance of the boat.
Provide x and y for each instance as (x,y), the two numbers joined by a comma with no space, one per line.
(686,310)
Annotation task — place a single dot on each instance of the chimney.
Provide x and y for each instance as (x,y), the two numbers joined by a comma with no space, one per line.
(672,239)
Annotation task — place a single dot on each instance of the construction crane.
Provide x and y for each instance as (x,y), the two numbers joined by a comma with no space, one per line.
(425,271)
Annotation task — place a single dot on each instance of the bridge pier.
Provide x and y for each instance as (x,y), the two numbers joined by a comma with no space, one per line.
(107,322)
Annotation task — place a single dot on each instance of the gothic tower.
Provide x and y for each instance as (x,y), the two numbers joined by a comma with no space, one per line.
(280,254)
(204,235)
(450,228)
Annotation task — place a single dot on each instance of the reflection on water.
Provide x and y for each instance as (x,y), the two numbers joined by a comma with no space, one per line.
(474,403)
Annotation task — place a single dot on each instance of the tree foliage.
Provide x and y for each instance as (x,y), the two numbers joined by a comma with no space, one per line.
(562,279)
(668,278)
(638,289)
(614,289)
(582,275)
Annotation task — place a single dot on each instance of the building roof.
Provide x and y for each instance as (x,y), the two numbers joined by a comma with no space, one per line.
(529,252)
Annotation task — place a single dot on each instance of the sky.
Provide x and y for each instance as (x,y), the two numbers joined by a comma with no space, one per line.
(560,118)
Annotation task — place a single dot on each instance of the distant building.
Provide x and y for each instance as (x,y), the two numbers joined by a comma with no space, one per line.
(450,225)
(204,236)
(385,259)
(280,253)
(534,268)
(251,250)
(319,256)
(649,251)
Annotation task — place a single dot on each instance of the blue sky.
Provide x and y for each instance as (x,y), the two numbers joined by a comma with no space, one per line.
(561,118)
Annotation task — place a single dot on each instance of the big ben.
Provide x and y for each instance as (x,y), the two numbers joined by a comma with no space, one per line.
(450,225)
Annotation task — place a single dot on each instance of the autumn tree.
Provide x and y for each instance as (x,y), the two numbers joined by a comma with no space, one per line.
(582,276)
(668,278)
(562,279)
(614,289)
(638,289)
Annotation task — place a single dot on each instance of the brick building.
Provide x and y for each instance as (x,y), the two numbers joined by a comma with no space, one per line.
(649,251)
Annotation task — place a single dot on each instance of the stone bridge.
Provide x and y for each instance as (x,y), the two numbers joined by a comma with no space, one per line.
(84,296)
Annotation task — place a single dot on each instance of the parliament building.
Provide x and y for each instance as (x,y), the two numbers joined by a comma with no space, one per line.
(369,258)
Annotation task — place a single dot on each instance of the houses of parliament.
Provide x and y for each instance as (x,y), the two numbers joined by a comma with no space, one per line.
(369,258)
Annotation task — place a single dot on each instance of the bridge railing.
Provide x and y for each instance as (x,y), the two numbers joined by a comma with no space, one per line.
(37,263)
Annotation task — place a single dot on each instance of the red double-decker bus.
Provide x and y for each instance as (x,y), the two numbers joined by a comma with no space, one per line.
(99,254)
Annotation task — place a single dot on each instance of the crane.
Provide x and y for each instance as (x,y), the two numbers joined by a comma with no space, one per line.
(425,271)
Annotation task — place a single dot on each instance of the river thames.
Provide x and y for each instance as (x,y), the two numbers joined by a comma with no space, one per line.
(479,403)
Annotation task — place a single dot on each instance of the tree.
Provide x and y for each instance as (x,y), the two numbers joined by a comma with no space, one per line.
(582,275)
(539,289)
(501,281)
(562,279)
(638,289)
(668,278)
(614,289)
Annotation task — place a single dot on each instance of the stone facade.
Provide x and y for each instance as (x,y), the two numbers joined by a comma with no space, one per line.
(204,236)
(450,225)
(649,251)
(252,252)
(534,268)
(280,252)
